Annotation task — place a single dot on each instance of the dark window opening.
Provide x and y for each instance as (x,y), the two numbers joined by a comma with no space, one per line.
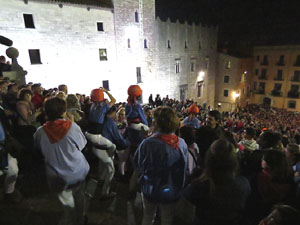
(177,67)
(35,57)
(100,26)
(192,67)
(199,88)
(105,84)
(138,75)
(256,72)
(136,16)
(257,58)
(169,44)
(103,54)
(226,79)
(225,93)
(292,104)
(28,19)
(145,43)
(185,45)
(128,43)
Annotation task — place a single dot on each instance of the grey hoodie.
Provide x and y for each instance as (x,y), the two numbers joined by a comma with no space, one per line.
(250,145)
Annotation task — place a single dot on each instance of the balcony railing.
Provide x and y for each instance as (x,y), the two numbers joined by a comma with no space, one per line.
(297,64)
(295,79)
(276,93)
(262,77)
(280,64)
(260,92)
(264,63)
(293,94)
(278,78)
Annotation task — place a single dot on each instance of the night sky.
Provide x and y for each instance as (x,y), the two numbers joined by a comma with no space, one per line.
(252,21)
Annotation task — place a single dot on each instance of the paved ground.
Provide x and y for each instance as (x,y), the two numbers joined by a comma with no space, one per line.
(40,207)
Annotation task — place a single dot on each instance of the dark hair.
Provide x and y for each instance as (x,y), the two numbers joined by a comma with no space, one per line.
(221,164)
(250,132)
(188,134)
(11,85)
(111,110)
(229,137)
(54,108)
(24,92)
(216,114)
(166,119)
(277,165)
(204,137)
(269,139)
(294,153)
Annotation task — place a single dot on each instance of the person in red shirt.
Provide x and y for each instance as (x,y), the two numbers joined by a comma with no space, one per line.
(37,98)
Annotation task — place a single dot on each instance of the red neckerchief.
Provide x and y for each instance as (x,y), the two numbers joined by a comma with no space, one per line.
(57,129)
(169,139)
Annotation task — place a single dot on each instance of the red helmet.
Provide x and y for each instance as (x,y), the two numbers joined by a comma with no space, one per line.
(97,95)
(193,109)
(134,91)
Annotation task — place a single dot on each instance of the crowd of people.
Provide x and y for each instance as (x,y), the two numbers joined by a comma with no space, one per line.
(237,168)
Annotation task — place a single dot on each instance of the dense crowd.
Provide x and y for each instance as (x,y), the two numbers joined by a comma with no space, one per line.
(240,167)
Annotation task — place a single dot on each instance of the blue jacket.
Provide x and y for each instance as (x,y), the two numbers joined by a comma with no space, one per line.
(195,123)
(97,112)
(112,133)
(135,111)
(163,169)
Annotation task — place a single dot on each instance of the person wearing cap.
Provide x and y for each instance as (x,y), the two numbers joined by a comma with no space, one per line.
(102,147)
(37,98)
(249,142)
(192,119)
(137,122)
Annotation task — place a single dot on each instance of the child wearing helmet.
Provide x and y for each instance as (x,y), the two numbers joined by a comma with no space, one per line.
(192,120)
(103,148)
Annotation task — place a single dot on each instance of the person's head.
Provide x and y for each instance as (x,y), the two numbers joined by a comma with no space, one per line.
(13,88)
(63,88)
(148,112)
(2,59)
(25,94)
(270,140)
(3,86)
(213,118)
(72,102)
(276,163)
(221,163)
(193,109)
(134,92)
(36,88)
(55,108)
(97,95)
(61,95)
(205,136)
(166,120)
(250,133)
(111,113)
(230,137)
(121,114)
(188,134)
(282,215)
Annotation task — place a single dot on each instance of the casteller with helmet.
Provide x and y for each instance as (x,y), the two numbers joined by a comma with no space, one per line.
(97,95)
(134,91)
(193,109)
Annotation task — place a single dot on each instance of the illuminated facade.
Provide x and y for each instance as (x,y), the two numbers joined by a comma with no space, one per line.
(233,81)
(92,44)
(276,76)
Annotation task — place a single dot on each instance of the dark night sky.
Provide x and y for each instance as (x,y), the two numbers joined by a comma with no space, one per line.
(254,21)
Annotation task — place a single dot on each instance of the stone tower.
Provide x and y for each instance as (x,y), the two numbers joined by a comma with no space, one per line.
(134,29)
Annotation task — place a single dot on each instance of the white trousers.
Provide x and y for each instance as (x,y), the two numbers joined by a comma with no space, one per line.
(106,164)
(139,126)
(11,174)
(73,201)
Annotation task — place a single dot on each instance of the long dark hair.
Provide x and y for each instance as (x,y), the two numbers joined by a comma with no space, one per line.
(277,165)
(221,164)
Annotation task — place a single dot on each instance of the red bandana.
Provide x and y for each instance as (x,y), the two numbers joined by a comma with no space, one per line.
(57,129)
(169,139)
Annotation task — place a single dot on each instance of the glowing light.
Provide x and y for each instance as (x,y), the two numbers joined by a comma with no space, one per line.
(245,72)
(235,95)
(201,76)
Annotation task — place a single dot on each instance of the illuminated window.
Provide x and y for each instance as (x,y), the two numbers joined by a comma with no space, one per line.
(225,93)
(35,57)
(103,54)
(145,43)
(226,79)
(228,65)
(169,44)
(138,75)
(128,43)
(100,26)
(136,16)
(28,20)
(105,84)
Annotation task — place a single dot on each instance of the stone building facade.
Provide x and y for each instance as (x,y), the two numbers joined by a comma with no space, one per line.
(112,44)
